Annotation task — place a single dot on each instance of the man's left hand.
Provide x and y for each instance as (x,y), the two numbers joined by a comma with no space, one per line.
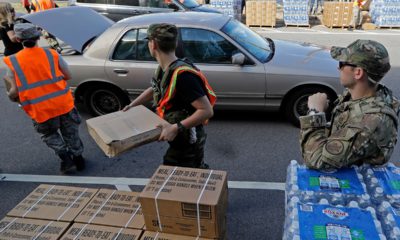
(168,132)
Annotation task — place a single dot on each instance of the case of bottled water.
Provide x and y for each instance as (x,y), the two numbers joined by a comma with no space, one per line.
(390,220)
(337,188)
(385,13)
(322,221)
(232,8)
(383,183)
(295,12)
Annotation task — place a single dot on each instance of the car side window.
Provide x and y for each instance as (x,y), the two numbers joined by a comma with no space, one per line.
(204,46)
(133,46)
(127,47)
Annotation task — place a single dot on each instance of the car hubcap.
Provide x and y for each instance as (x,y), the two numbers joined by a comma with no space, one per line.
(300,107)
(104,102)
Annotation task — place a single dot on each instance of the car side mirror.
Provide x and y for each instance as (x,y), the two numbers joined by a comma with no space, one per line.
(173,6)
(238,59)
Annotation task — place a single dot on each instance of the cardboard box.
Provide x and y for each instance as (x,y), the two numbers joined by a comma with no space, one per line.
(23,228)
(260,13)
(113,208)
(177,200)
(79,231)
(337,14)
(120,131)
(147,235)
(51,202)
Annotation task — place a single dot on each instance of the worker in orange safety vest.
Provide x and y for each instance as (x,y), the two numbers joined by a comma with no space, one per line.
(37,79)
(182,96)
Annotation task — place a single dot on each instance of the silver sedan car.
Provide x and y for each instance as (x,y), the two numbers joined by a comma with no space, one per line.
(111,63)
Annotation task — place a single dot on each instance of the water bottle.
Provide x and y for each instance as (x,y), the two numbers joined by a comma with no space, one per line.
(292,203)
(323,201)
(378,196)
(353,204)
(364,201)
(394,234)
(337,199)
(309,197)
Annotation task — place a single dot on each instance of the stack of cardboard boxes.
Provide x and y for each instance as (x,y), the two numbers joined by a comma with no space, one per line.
(261,13)
(337,14)
(179,203)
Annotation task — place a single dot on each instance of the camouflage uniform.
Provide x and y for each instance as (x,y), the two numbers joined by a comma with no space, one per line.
(61,134)
(362,130)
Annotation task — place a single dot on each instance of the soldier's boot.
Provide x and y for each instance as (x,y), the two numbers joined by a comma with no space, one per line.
(66,163)
(79,162)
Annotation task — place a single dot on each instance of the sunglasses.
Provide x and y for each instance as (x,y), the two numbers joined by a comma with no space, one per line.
(343,64)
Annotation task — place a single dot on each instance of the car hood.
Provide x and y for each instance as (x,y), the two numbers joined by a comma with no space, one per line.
(73,25)
(306,58)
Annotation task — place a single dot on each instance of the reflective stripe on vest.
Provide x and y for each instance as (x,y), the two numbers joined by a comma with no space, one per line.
(164,103)
(25,86)
(22,78)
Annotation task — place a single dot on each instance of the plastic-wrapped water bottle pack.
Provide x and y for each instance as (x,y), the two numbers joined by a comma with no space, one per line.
(383,183)
(295,12)
(336,188)
(385,13)
(232,8)
(351,203)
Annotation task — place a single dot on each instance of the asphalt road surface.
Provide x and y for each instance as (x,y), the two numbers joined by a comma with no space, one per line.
(253,147)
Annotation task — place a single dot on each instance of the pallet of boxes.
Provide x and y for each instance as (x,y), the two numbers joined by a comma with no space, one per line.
(261,13)
(337,14)
(62,212)
(176,204)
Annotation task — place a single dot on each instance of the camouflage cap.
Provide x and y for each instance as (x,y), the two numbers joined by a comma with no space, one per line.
(367,54)
(162,32)
(26,31)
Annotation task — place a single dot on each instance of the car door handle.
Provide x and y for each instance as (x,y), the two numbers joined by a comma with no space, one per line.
(121,71)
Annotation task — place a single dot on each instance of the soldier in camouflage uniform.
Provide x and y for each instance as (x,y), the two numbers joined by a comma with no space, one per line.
(364,121)
(181,95)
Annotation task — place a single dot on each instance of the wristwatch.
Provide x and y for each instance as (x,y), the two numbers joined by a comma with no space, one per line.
(181,128)
(312,111)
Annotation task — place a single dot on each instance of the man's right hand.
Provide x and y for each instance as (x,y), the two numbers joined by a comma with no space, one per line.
(318,101)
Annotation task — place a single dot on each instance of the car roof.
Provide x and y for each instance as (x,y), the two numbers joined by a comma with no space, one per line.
(200,19)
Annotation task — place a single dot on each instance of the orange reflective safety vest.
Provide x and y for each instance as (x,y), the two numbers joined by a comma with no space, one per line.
(41,5)
(164,103)
(42,90)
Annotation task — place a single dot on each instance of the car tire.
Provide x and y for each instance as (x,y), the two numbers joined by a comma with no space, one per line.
(105,99)
(296,104)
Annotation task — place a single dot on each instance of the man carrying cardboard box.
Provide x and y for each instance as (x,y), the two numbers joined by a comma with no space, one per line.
(181,95)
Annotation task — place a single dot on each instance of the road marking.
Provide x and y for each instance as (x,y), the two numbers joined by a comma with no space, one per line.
(356,32)
(123,183)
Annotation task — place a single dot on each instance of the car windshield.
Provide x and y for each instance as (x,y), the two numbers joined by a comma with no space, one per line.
(248,39)
(189,3)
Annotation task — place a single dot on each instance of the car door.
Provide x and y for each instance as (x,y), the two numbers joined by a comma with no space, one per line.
(236,86)
(130,65)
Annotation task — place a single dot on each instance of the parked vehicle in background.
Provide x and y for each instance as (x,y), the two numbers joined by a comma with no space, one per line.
(247,71)
(120,9)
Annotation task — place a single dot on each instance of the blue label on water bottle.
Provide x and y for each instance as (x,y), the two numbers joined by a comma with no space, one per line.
(344,180)
(389,179)
(396,215)
(327,222)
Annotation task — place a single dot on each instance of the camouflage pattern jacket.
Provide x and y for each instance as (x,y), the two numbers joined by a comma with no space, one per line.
(362,131)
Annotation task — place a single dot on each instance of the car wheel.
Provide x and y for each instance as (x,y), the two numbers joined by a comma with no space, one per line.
(296,104)
(103,100)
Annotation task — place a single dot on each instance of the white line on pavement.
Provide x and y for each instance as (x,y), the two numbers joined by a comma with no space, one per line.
(123,183)
(357,32)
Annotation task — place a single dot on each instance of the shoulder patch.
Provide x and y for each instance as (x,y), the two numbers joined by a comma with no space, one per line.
(334,147)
